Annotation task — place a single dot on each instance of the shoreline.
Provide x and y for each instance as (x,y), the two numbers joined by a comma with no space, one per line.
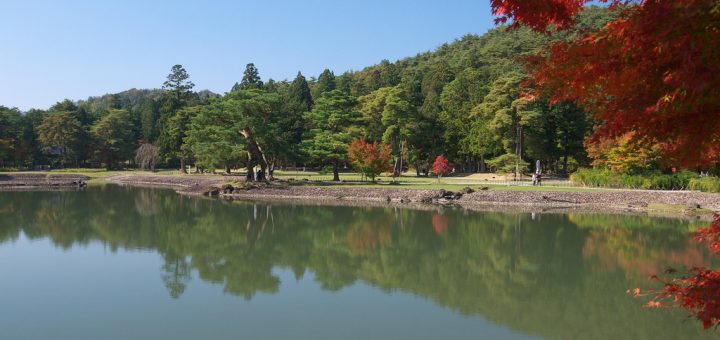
(22,181)
(664,203)
(685,204)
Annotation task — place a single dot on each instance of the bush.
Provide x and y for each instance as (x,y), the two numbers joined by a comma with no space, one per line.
(705,184)
(650,180)
(326,170)
(505,164)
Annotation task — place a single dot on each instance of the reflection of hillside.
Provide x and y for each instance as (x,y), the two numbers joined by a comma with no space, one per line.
(558,276)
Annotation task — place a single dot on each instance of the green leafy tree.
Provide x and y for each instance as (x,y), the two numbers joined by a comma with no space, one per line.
(372,106)
(29,134)
(177,95)
(297,101)
(506,113)
(271,86)
(331,128)
(556,134)
(400,120)
(175,131)
(458,98)
(10,135)
(507,163)
(114,139)
(60,134)
(264,124)
(245,125)
(213,137)
(148,116)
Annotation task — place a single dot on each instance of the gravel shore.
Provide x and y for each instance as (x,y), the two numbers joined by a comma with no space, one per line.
(630,200)
(41,180)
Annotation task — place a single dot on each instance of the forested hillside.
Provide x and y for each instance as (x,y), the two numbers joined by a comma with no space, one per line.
(462,100)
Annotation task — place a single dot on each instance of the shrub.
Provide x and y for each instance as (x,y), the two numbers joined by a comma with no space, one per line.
(326,170)
(649,180)
(505,164)
(705,184)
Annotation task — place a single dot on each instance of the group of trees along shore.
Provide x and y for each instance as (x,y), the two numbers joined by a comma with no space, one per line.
(467,100)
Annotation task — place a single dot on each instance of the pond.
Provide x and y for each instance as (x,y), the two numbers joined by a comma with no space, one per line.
(113,262)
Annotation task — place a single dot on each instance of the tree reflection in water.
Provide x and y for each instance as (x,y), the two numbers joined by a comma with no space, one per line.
(554,275)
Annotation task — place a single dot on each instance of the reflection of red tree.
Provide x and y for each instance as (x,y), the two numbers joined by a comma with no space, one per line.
(439,223)
(699,290)
(620,248)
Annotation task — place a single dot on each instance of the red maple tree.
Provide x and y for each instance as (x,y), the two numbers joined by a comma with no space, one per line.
(652,71)
(441,166)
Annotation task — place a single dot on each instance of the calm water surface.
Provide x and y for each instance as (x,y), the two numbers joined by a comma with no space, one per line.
(126,263)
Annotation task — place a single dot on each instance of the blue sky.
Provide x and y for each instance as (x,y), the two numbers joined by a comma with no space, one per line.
(51,49)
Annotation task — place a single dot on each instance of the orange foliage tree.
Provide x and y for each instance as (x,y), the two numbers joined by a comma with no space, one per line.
(623,154)
(370,159)
(652,71)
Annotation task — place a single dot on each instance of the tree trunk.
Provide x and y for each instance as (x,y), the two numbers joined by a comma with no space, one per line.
(271,170)
(254,150)
(402,147)
(336,172)
(182,165)
(250,174)
(565,158)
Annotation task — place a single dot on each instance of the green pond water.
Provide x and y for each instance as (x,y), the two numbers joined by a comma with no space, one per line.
(113,262)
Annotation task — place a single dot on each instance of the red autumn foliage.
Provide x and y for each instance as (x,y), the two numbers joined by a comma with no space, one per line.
(441,166)
(538,14)
(653,71)
(699,290)
(370,159)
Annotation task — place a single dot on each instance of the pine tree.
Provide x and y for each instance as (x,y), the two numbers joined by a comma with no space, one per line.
(332,127)
(299,97)
(325,83)
(250,79)
(177,82)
